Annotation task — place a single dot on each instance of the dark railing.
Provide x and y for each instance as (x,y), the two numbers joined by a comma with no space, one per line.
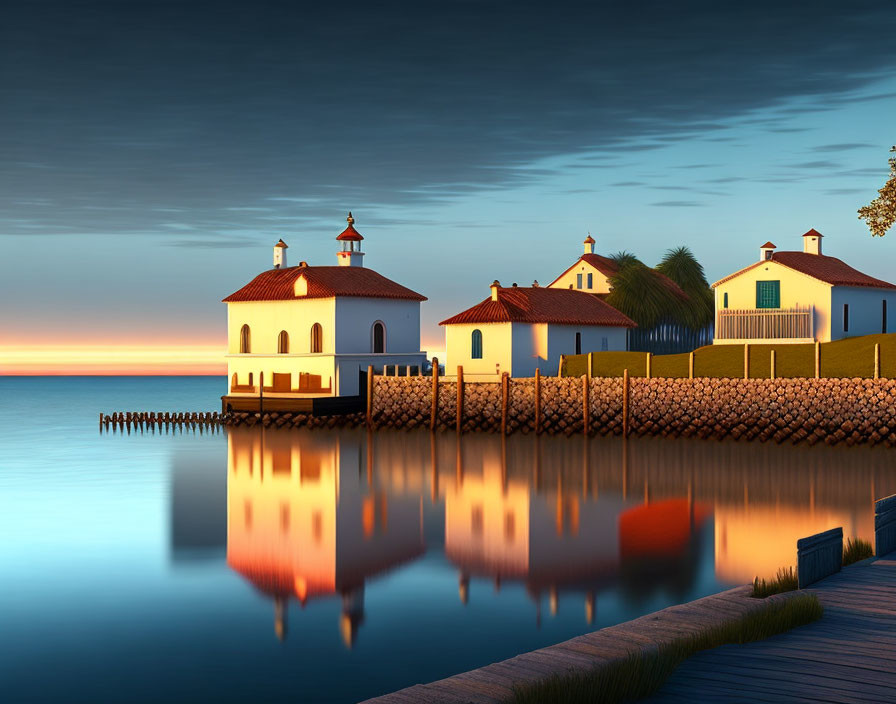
(669,338)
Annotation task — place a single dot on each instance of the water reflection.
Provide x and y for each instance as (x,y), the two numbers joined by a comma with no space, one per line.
(317,514)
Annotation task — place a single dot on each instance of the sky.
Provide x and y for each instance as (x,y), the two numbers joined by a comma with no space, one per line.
(153,152)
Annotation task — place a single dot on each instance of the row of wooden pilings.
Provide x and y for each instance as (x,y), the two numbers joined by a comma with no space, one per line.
(152,420)
(505,400)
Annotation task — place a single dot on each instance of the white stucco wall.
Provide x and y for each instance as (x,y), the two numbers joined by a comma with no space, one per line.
(865,311)
(521,348)
(267,318)
(355,318)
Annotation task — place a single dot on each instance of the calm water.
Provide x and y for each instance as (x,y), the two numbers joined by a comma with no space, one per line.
(331,566)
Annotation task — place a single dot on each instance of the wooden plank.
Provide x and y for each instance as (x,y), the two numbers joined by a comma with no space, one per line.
(819,556)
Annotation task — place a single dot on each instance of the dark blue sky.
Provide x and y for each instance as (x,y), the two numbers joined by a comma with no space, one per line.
(153,152)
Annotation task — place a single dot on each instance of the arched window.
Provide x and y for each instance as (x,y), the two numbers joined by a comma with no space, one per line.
(379,337)
(283,342)
(244,340)
(578,343)
(476,340)
(317,338)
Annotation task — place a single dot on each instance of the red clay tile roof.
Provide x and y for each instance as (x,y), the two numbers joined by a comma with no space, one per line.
(281,243)
(323,282)
(813,233)
(589,240)
(608,268)
(767,245)
(560,306)
(350,234)
(819,266)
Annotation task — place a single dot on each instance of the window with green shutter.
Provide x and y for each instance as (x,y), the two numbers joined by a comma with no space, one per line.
(768,294)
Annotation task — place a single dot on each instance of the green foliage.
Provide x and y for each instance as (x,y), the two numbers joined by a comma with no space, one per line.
(880,213)
(682,267)
(785,580)
(856,550)
(641,674)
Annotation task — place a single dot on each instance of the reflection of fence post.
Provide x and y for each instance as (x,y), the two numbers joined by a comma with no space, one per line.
(625,402)
(434,410)
(691,365)
(747,361)
(771,362)
(370,396)
(505,401)
(818,360)
(586,405)
(647,365)
(537,401)
(590,363)
(261,393)
(460,398)
(877,360)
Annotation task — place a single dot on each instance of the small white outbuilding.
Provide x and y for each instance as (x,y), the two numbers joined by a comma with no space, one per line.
(520,329)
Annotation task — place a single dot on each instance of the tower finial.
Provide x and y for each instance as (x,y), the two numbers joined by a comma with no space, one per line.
(350,220)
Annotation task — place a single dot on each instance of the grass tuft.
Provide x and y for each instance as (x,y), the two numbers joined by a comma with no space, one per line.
(785,580)
(856,550)
(642,674)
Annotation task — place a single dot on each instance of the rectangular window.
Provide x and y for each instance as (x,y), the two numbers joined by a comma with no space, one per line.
(590,280)
(768,294)
(578,343)
(604,344)
(883,316)
(846,317)
(578,281)
(725,300)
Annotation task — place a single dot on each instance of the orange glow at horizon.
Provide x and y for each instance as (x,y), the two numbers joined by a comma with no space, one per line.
(113,360)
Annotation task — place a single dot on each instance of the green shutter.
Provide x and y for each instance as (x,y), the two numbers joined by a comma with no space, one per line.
(768,294)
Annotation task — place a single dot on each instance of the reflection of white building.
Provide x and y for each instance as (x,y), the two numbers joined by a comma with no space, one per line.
(300,523)
(556,540)
(311,330)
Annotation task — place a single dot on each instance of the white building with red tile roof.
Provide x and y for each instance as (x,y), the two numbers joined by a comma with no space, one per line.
(800,297)
(311,330)
(520,329)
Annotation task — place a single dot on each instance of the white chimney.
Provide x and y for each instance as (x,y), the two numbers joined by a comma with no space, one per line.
(589,245)
(766,251)
(494,287)
(812,242)
(280,255)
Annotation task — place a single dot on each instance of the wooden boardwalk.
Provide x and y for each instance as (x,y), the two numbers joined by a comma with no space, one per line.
(849,655)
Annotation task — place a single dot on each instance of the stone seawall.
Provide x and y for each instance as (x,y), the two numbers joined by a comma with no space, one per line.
(798,410)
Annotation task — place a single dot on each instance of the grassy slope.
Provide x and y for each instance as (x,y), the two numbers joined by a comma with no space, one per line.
(853,357)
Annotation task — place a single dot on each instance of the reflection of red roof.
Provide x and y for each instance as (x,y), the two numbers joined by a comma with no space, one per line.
(819,266)
(542,305)
(323,282)
(659,529)
(350,234)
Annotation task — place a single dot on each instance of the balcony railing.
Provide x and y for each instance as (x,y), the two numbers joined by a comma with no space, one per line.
(765,324)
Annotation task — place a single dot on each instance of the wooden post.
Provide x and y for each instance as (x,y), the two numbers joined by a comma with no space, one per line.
(625,404)
(460,398)
(818,360)
(648,364)
(586,405)
(877,360)
(370,396)
(590,363)
(560,367)
(691,365)
(747,361)
(537,401)
(505,401)
(771,374)
(261,393)
(434,410)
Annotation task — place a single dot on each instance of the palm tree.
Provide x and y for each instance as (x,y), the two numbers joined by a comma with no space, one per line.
(680,265)
(643,294)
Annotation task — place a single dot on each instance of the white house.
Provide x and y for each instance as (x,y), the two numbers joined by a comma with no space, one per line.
(800,297)
(518,330)
(311,330)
